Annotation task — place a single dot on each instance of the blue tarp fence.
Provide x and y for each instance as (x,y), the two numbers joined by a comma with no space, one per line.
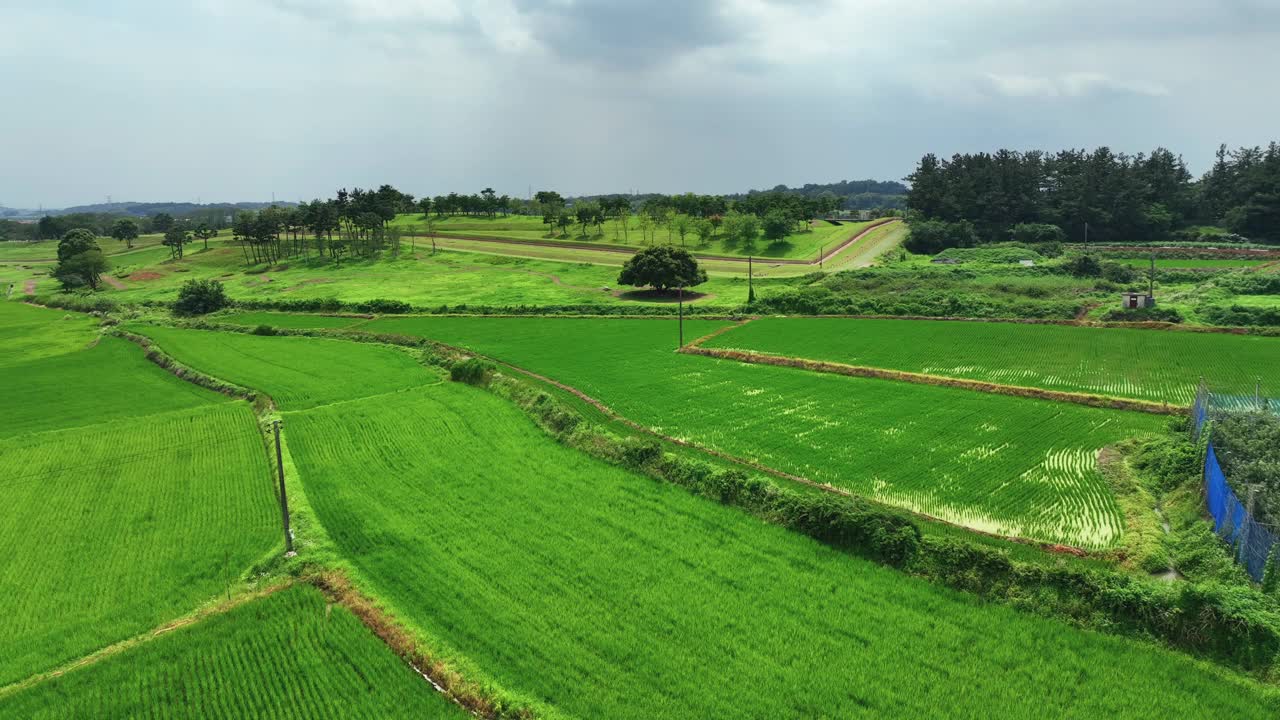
(1252,542)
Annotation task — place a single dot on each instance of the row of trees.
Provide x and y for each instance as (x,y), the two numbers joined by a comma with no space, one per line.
(1100,195)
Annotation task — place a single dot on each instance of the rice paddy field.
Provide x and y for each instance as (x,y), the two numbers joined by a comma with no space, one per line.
(1005,465)
(296,372)
(1162,366)
(288,655)
(590,592)
(131,498)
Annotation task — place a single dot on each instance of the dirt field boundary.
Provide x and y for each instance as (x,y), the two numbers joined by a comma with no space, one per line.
(821,366)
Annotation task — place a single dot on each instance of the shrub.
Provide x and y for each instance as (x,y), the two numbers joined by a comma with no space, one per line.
(381,306)
(1238,315)
(265,330)
(200,297)
(933,236)
(1155,314)
(1037,233)
(1083,266)
(472,371)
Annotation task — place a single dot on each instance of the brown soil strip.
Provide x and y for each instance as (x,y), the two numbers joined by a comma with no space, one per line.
(144,276)
(29,287)
(704,256)
(475,698)
(113,282)
(1099,401)
(121,646)
(718,333)
(1244,253)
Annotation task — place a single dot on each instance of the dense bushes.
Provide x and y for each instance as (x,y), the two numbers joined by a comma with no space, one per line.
(933,236)
(821,300)
(1003,253)
(1037,234)
(1240,315)
(1155,314)
(472,371)
(1250,284)
(201,297)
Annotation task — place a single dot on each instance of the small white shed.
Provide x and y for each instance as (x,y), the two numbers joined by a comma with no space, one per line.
(1137,300)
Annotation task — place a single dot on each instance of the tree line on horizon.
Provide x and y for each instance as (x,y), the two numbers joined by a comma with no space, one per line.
(1097,196)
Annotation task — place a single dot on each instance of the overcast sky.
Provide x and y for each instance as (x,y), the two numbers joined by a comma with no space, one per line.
(236,99)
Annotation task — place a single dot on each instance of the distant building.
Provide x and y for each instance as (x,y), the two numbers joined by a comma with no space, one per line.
(1138,301)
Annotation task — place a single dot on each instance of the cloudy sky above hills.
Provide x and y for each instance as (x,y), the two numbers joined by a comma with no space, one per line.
(237,99)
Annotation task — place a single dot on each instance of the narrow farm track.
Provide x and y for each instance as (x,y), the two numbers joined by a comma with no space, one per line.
(114,282)
(604,250)
(29,288)
(614,415)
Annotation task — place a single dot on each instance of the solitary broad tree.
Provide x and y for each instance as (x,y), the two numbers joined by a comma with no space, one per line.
(662,267)
(125,230)
(175,238)
(80,260)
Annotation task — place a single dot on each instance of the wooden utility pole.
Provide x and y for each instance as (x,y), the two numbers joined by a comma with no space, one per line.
(751,290)
(284,499)
(822,251)
(680,303)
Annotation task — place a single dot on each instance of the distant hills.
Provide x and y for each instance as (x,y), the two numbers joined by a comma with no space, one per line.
(135,209)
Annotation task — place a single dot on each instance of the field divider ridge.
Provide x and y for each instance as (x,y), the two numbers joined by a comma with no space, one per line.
(200,614)
(860,371)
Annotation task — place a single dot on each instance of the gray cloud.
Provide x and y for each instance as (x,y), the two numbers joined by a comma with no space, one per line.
(232,99)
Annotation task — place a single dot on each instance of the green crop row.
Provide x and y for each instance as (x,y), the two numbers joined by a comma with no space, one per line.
(1163,366)
(1005,465)
(113,529)
(288,655)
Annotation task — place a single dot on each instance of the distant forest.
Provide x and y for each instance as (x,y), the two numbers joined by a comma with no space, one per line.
(853,194)
(1098,196)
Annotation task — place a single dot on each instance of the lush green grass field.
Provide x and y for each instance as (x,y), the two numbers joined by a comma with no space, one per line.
(105,383)
(806,244)
(598,593)
(1164,366)
(113,529)
(1169,263)
(288,655)
(1000,464)
(447,278)
(33,333)
(47,250)
(296,372)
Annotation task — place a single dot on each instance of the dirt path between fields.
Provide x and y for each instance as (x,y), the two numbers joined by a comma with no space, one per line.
(29,287)
(833,368)
(113,282)
(572,245)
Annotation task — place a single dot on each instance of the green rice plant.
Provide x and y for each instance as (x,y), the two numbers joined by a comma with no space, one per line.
(296,372)
(32,333)
(1163,366)
(594,592)
(287,655)
(113,529)
(287,320)
(108,382)
(1005,465)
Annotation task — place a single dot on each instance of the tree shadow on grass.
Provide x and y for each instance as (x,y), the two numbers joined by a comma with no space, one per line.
(661,296)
